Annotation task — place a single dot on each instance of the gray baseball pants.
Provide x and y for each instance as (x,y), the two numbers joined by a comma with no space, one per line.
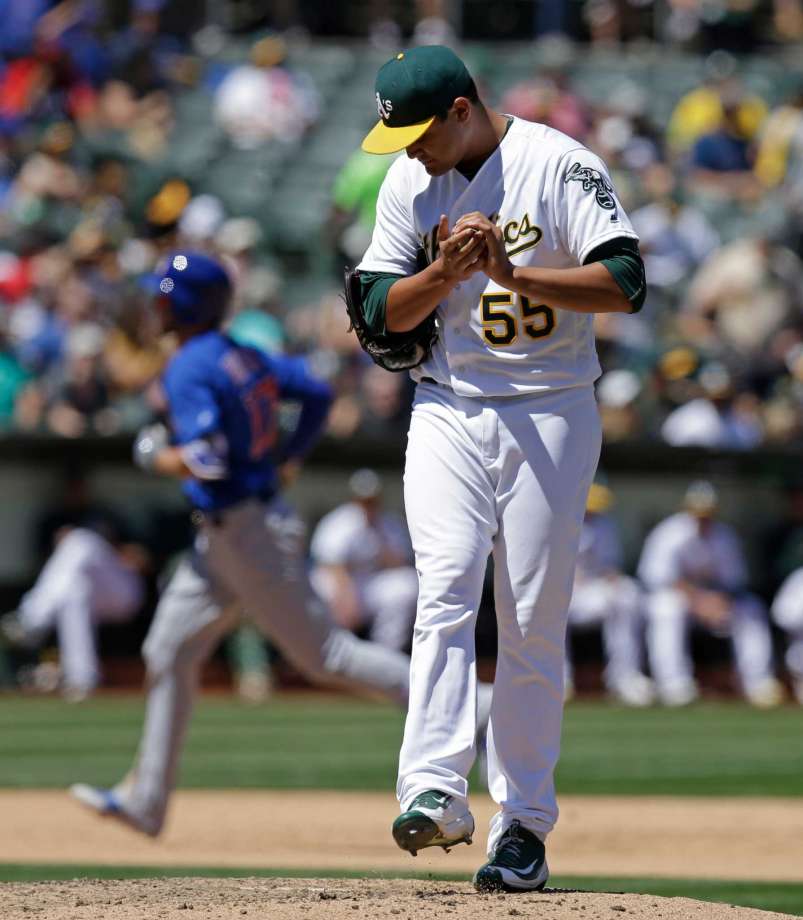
(252,559)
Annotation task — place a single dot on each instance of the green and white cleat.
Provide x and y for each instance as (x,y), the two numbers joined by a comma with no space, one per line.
(434,819)
(518,863)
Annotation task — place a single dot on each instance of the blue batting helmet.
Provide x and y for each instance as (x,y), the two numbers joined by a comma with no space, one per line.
(194,286)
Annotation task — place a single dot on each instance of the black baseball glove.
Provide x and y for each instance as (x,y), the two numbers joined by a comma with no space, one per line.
(395,351)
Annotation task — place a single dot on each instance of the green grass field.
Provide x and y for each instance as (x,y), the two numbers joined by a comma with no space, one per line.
(337,743)
(319,742)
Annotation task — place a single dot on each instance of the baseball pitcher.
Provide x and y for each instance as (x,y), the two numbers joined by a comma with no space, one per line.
(523,240)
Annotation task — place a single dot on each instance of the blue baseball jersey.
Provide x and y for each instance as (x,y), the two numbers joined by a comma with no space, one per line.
(224,402)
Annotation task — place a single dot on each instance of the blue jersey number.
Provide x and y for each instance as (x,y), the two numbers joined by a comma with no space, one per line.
(260,402)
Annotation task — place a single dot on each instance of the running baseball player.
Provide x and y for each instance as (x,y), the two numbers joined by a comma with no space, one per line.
(248,554)
(525,239)
(694,571)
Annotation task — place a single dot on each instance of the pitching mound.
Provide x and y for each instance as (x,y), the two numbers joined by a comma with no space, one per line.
(292,899)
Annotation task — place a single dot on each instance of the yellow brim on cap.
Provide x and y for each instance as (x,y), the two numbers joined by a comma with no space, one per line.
(382,139)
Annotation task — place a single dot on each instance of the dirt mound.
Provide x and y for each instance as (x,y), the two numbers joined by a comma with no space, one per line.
(336,899)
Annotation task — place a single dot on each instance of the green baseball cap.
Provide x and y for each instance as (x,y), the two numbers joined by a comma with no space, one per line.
(411,89)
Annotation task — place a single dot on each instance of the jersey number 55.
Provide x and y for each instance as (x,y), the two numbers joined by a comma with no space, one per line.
(500,322)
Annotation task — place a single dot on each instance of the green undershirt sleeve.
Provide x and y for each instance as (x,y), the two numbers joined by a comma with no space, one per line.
(375,287)
(622,258)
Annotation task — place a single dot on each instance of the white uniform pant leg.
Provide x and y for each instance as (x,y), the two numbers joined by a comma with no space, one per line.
(75,628)
(668,623)
(615,605)
(258,554)
(82,584)
(189,622)
(448,498)
(793,658)
(390,601)
(787,611)
(752,641)
(548,453)
(622,632)
(40,606)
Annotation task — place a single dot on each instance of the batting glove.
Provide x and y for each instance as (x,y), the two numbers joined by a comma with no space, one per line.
(150,441)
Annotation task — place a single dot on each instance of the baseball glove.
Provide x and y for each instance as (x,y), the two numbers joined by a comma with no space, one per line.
(395,351)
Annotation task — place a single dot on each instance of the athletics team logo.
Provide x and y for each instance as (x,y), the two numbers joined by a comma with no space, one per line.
(593,180)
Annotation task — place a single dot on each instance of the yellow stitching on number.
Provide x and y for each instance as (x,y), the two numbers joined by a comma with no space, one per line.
(538,309)
(492,317)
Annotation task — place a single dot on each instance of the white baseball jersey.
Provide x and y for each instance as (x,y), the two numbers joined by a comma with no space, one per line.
(555,203)
(675,550)
(345,537)
(787,607)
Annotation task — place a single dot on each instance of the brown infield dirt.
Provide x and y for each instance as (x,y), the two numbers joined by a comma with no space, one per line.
(740,839)
(337,899)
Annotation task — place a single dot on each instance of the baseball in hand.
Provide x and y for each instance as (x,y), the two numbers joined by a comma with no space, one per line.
(476,245)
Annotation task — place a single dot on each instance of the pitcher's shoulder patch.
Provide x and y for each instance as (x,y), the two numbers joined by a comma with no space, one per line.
(593,181)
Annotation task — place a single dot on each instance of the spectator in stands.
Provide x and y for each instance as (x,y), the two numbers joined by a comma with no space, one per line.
(788,20)
(432,25)
(134,352)
(604,596)
(700,111)
(674,235)
(79,403)
(780,146)
(742,295)
(617,394)
(354,195)
(694,571)
(13,378)
(548,99)
(719,417)
(363,565)
(779,164)
(722,160)
(263,100)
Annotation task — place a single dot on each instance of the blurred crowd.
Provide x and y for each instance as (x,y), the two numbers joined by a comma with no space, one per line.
(715,358)
(92,191)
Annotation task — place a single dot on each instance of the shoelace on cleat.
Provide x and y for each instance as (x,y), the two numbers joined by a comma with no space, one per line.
(510,849)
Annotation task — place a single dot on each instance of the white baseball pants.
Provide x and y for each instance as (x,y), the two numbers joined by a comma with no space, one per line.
(253,560)
(387,599)
(614,603)
(84,583)
(787,611)
(508,477)
(668,625)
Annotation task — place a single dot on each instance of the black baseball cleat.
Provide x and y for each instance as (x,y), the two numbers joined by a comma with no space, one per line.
(518,863)
(434,819)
